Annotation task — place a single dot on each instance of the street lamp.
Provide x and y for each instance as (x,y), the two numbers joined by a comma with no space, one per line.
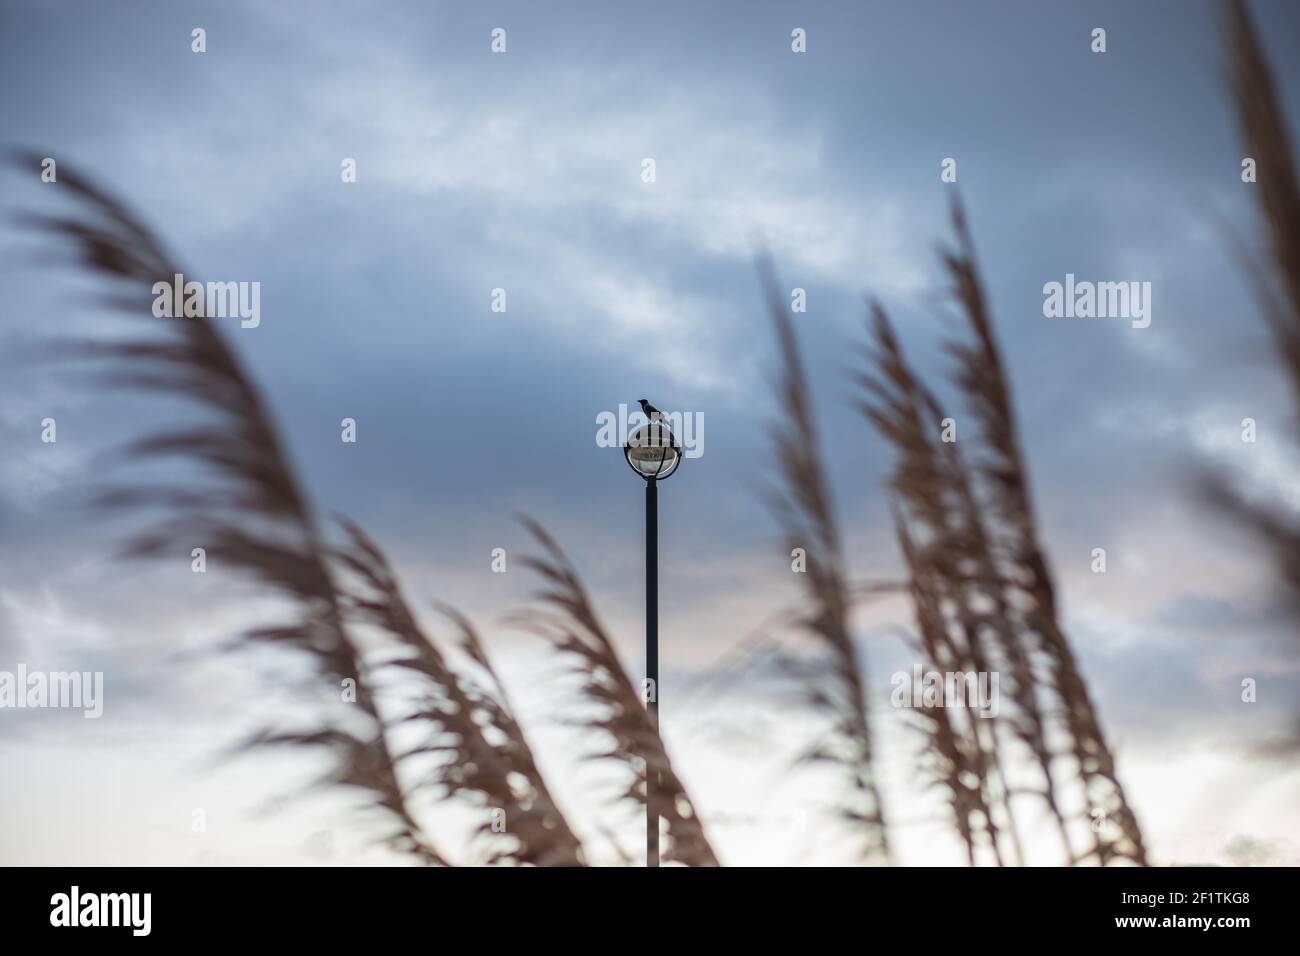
(653,453)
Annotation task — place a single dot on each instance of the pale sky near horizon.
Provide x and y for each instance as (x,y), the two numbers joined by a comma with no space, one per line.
(522,171)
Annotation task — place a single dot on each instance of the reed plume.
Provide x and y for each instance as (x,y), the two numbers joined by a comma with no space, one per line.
(564,615)
(984,384)
(802,504)
(969,528)
(483,756)
(252,515)
(1266,138)
(941,535)
(954,758)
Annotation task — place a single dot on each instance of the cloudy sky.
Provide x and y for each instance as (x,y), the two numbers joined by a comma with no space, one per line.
(523,171)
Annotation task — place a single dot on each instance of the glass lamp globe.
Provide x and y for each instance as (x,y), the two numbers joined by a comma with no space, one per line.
(652,451)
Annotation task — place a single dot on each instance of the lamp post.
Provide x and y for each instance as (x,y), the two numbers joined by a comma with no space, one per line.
(653,453)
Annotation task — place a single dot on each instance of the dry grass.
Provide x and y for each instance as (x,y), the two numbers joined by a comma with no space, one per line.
(802,503)
(482,755)
(942,537)
(984,596)
(1276,280)
(1266,138)
(983,382)
(252,516)
(954,759)
(564,616)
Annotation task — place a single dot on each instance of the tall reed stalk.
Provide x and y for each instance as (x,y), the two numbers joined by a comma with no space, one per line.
(1266,138)
(251,515)
(563,614)
(941,534)
(482,755)
(802,504)
(982,584)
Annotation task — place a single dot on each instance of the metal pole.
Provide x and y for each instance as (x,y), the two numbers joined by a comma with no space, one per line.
(652,660)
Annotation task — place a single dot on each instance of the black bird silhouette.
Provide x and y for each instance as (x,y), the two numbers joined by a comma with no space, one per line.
(651,412)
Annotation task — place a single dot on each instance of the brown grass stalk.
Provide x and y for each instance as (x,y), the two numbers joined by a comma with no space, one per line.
(1015,543)
(984,596)
(253,516)
(483,756)
(802,505)
(1266,137)
(942,536)
(565,617)
(955,759)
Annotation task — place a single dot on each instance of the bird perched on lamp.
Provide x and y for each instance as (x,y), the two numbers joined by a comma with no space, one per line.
(651,412)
